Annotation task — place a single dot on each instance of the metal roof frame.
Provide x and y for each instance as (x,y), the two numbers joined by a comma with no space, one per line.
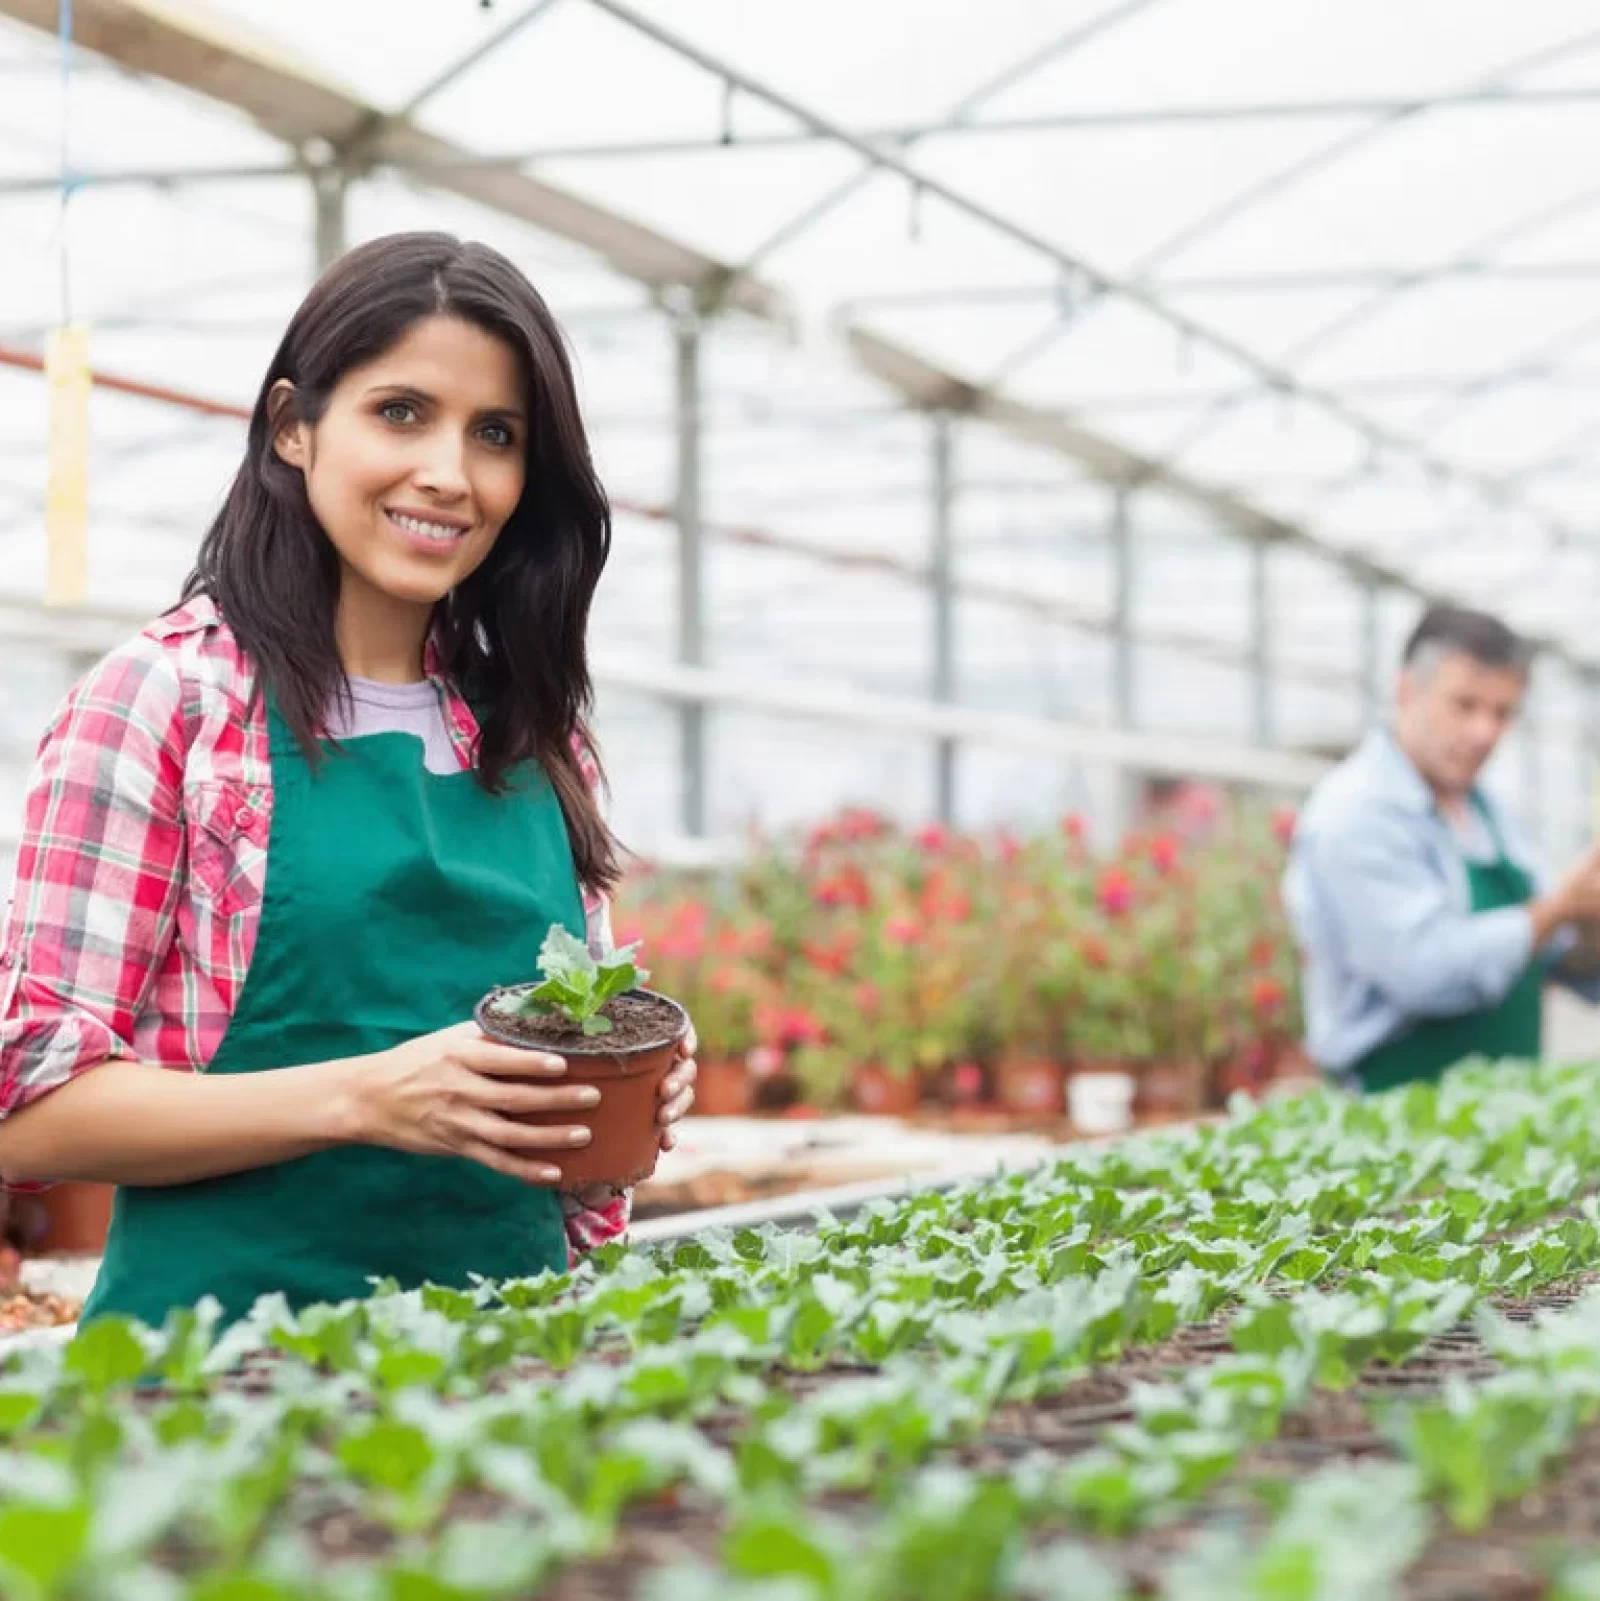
(322,120)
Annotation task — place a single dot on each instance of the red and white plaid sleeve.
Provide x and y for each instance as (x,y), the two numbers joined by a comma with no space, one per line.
(98,875)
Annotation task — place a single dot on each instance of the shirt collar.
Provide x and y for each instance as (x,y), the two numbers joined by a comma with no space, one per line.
(1393,776)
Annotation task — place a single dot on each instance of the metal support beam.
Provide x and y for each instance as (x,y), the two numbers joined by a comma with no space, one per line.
(1370,668)
(1589,768)
(330,187)
(691,569)
(1535,815)
(942,572)
(1261,709)
(1124,686)
(291,102)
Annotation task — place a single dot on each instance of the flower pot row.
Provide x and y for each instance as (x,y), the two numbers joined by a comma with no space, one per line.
(1094,1097)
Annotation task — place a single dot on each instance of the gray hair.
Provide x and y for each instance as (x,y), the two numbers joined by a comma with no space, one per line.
(1445,631)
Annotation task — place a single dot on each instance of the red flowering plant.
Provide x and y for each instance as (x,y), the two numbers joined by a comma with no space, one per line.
(889,983)
(1026,969)
(1249,927)
(711,954)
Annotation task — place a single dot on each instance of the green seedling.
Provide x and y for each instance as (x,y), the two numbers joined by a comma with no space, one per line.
(576,986)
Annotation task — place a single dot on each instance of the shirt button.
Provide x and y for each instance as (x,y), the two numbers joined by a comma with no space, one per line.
(244,817)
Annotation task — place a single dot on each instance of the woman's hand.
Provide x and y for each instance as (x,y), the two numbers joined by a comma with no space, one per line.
(677,1090)
(674,1098)
(459,1093)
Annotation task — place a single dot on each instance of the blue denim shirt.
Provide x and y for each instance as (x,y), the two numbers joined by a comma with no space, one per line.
(1378,894)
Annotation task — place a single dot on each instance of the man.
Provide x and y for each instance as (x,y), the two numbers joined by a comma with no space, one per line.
(1425,934)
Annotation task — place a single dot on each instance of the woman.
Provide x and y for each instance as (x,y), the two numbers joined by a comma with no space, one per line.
(285,838)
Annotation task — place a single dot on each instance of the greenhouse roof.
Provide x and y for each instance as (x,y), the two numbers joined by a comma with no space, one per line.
(1318,274)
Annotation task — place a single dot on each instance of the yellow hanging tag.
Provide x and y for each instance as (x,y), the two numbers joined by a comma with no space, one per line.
(66,519)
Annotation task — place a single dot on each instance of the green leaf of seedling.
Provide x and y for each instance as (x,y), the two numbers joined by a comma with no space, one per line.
(106,1355)
(40,1546)
(596,1025)
(778,1542)
(19,1410)
(563,955)
(388,1455)
(615,979)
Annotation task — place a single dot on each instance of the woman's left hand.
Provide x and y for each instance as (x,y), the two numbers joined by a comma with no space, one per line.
(677,1091)
(676,1097)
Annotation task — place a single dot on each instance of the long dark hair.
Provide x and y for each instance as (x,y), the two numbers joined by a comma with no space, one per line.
(513,635)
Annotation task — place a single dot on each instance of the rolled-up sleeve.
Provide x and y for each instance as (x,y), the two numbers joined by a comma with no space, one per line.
(1399,930)
(98,874)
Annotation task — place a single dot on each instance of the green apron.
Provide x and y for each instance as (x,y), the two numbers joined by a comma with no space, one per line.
(395,898)
(1514,1028)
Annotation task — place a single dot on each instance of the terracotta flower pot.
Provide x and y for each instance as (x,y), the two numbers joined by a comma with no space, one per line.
(1034,1086)
(77,1218)
(723,1088)
(1168,1090)
(884,1094)
(626,1140)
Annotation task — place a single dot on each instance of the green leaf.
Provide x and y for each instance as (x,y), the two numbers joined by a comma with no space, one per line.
(393,1456)
(563,955)
(106,1354)
(39,1547)
(782,1544)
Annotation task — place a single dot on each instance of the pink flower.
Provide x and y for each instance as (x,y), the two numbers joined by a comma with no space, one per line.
(1115,892)
(1267,997)
(967,1081)
(933,839)
(1164,853)
(1283,825)
(902,930)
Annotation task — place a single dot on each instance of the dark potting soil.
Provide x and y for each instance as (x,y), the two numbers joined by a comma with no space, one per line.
(640,1022)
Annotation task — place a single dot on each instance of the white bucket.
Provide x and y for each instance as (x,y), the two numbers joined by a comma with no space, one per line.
(1100,1103)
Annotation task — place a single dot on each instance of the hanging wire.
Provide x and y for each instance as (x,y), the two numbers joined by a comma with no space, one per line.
(68,184)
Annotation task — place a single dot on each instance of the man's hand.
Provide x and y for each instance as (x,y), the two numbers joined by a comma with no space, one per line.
(1575,897)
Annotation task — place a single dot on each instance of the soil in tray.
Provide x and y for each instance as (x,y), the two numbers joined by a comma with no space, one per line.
(639,1023)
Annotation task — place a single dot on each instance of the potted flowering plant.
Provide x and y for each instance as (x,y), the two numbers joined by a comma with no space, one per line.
(613,1035)
(713,958)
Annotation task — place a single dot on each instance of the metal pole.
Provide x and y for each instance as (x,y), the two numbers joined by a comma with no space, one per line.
(1589,770)
(1533,808)
(1260,646)
(1124,699)
(329,186)
(1371,686)
(691,570)
(942,569)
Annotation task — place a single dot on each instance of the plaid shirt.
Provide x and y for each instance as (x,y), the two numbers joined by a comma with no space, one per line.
(142,864)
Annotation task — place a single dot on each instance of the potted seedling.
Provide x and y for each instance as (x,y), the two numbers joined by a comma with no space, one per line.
(614,1035)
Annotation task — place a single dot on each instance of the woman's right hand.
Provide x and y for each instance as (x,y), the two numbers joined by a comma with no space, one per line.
(459,1093)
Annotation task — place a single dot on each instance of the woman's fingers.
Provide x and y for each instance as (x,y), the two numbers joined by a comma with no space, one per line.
(505,1134)
(678,1080)
(511,1099)
(539,1174)
(484,1055)
(675,1110)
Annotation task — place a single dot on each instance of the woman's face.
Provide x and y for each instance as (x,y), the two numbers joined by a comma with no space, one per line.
(418,461)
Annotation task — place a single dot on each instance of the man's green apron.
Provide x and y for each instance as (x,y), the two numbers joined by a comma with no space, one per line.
(1512,1029)
(395,898)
